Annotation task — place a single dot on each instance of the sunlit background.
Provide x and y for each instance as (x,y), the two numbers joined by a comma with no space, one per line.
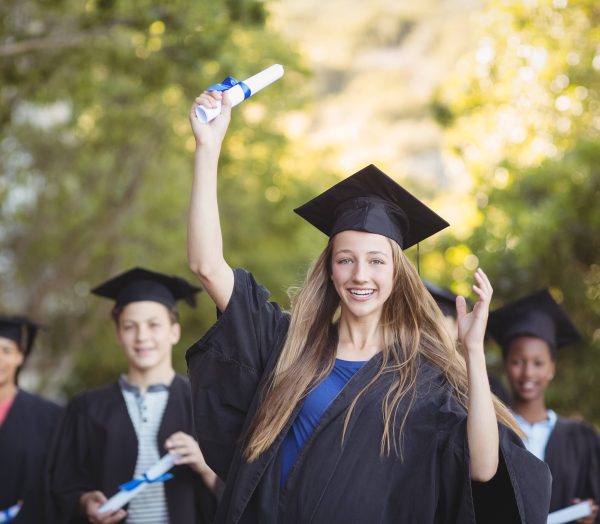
(488,111)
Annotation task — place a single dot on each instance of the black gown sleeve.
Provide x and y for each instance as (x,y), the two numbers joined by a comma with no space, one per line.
(69,464)
(226,365)
(518,493)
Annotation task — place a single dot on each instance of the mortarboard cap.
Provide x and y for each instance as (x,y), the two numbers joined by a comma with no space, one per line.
(371,201)
(139,284)
(20,329)
(444,298)
(536,315)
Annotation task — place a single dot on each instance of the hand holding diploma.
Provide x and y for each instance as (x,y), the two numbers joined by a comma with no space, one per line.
(238,91)
(157,473)
(574,512)
(91,502)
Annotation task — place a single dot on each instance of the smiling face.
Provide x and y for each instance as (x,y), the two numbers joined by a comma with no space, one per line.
(147,334)
(362,272)
(11,358)
(529,367)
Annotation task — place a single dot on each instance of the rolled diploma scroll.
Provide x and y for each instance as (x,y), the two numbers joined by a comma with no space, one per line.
(570,513)
(118,500)
(236,93)
(6,515)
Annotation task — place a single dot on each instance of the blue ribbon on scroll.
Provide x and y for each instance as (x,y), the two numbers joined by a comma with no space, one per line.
(132,484)
(228,83)
(8,515)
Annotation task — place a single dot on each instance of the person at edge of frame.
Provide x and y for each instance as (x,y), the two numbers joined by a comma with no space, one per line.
(446,301)
(27,423)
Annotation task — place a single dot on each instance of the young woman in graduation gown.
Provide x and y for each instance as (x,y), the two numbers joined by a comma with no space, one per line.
(370,415)
(26,425)
(530,330)
(107,431)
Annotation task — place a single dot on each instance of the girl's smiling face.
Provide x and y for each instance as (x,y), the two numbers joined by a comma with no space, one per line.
(362,272)
(529,367)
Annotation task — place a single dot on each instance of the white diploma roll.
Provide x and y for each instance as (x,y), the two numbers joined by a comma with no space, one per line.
(6,515)
(236,93)
(570,513)
(117,501)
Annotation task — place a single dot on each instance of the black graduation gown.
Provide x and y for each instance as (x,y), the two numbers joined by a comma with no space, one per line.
(24,443)
(351,482)
(96,449)
(573,455)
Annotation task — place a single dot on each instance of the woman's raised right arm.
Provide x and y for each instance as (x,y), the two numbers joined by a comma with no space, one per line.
(205,241)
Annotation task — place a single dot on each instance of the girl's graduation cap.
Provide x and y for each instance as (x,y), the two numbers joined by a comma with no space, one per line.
(139,284)
(20,329)
(536,315)
(371,201)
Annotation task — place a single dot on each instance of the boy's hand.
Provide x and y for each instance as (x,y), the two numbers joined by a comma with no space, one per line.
(188,451)
(91,501)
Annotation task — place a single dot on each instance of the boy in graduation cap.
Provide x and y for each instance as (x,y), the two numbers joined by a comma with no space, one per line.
(446,301)
(530,331)
(115,433)
(26,425)
(356,406)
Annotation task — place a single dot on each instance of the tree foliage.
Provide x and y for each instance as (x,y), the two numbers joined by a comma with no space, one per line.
(95,156)
(522,116)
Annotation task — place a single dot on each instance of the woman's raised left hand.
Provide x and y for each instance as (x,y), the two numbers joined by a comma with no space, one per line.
(471,326)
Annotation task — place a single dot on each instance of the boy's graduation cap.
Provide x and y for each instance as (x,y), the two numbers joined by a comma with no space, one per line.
(536,315)
(139,284)
(20,329)
(371,201)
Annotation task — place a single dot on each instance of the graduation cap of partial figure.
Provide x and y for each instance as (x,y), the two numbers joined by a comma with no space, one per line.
(20,329)
(139,284)
(444,298)
(536,315)
(371,201)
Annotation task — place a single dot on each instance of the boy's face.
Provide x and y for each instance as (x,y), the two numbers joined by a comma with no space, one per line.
(10,360)
(147,334)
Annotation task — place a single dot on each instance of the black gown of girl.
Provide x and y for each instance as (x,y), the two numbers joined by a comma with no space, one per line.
(349,481)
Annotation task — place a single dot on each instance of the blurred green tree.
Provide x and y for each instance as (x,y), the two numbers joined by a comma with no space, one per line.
(96,157)
(522,116)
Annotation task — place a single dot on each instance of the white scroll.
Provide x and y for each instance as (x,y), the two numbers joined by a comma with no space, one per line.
(570,513)
(117,501)
(238,94)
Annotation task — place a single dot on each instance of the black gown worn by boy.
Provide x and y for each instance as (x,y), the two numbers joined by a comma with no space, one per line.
(97,447)
(348,481)
(573,448)
(24,437)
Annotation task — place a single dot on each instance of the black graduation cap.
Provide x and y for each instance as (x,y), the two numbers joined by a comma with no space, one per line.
(20,329)
(445,299)
(536,315)
(371,201)
(140,284)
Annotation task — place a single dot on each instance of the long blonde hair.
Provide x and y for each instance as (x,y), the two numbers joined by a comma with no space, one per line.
(412,326)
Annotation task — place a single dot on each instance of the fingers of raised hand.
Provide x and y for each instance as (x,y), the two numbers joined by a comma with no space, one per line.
(461,306)
(483,287)
(209,99)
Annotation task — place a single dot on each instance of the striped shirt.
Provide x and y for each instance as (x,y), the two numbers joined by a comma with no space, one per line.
(146,412)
